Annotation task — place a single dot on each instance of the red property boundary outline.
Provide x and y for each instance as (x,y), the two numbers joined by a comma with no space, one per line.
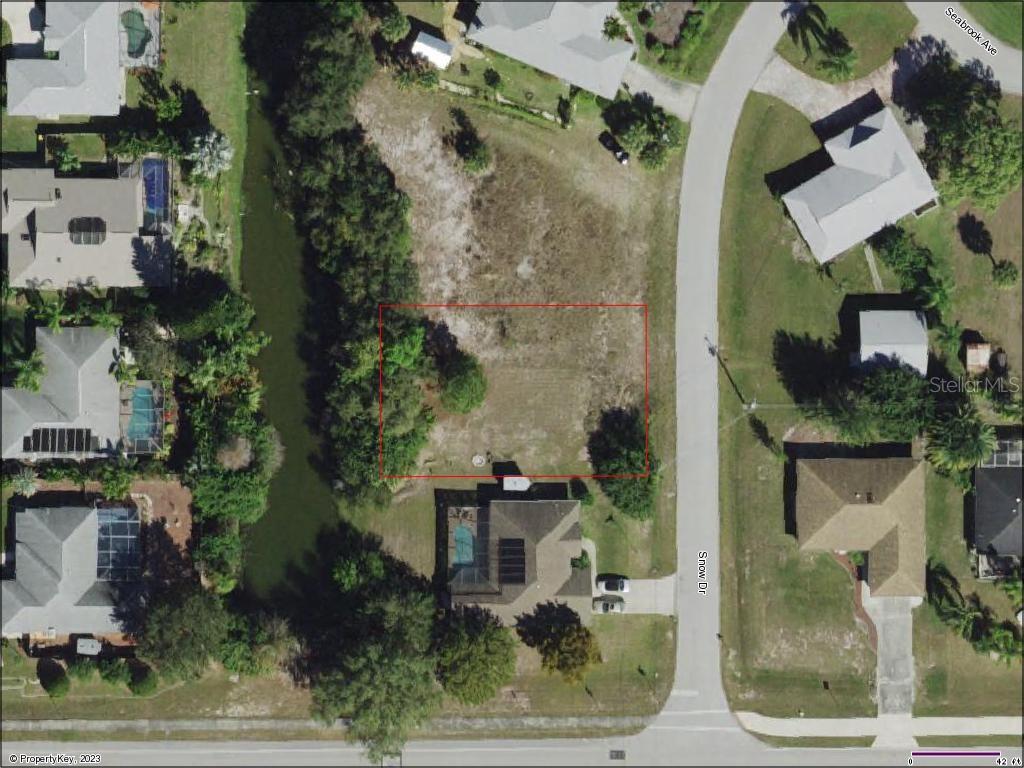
(584,305)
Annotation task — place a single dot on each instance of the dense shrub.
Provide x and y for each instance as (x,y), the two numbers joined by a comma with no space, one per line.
(144,680)
(115,671)
(466,141)
(645,129)
(463,383)
(183,630)
(82,668)
(476,656)
(618,447)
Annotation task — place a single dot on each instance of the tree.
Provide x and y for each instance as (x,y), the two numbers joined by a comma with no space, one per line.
(63,156)
(29,371)
(240,495)
(220,553)
(394,26)
(54,681)
(614,29)
(463,383)
(644,128)
(492,79)
(936,293)
(474,152)
(1005,274)
(385,683)
(619,447)
(476,656)
(24,482)
(183,630)
(211,154)
(960,440)
(564,644)
(168,108)
(144,680)
(116,477)
(838,65)
(950,339)
(52,313)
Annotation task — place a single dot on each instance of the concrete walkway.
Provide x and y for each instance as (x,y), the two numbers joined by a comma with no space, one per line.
(933,21)
(851,727)
(672,95)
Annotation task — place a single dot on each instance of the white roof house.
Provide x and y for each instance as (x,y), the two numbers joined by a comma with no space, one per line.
(433,49)
(876,180)
(74,232)
(86,78)
(564,39)
(899,336)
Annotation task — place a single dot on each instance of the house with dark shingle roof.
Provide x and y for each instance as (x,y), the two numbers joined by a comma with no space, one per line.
(508,556)
(997,508)
(872,505)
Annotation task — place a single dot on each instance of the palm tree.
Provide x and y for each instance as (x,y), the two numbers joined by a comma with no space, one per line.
(959,442)
(100,314)
(936,294)
(1002,641)
(949,339)
(1013,587)
(29,371)
(807,25)
(838,65)
(24,483)
(969,618)
(52,313)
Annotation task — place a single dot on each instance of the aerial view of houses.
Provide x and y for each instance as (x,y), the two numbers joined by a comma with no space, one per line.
(522,382)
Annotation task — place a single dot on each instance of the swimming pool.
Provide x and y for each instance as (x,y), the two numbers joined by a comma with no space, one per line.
(155,177)
(145,419)
(463,546)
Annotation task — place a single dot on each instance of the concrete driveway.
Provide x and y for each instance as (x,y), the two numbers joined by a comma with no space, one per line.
(670,94)
(894,619)
(652,596)
(25,21)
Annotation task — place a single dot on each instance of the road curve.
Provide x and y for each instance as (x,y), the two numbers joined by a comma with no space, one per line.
(932,20)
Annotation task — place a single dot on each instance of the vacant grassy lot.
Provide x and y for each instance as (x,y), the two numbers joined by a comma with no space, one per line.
(202,51)
(787,618)
(540,227)
(874,30)
(702,58)
(952,679)
(1004,20)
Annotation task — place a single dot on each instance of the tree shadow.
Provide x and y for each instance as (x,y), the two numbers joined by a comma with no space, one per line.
(974,235)
(806,24)
(547,623)
(151,259)
(809,368)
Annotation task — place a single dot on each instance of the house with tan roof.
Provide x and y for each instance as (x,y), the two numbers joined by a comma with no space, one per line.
(872,505)
(508,556)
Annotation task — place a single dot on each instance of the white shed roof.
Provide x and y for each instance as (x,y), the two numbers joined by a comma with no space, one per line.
(433,49)
(894,335)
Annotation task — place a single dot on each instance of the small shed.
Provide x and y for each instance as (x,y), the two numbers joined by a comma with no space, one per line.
(88,646)
(978,356)
(433,49)
(515,483)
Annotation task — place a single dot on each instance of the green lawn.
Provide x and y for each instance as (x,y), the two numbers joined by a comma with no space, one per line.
(519,82)
(874,30)
(202,51)
(1003,19)
(952,679)
(88,147)
(697,65)
(431,13)
(787,617)
(18,134)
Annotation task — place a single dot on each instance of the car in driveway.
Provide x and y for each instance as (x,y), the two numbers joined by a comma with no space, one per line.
(609,604)
(612,145)
(613,585)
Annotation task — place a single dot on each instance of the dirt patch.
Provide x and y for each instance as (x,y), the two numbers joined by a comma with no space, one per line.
(668,20)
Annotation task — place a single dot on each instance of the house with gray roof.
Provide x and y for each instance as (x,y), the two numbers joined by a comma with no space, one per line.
(75,413)
(998,488)
(76,571)
(78,72)
(894,336)
(509,556)
(564,39)
(876,179)
(79,232)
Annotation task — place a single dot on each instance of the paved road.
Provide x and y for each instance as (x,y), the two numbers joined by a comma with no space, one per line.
(932,20)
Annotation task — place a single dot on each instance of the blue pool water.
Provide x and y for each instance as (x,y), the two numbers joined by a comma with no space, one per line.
(145,421)
(155,178)
(463,546)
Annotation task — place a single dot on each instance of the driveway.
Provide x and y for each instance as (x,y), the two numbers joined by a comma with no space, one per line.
(672,95)
(652,596)
(26,23)
(894,619)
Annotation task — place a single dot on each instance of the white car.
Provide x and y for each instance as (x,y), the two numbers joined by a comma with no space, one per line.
(609,604)
(613,585)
